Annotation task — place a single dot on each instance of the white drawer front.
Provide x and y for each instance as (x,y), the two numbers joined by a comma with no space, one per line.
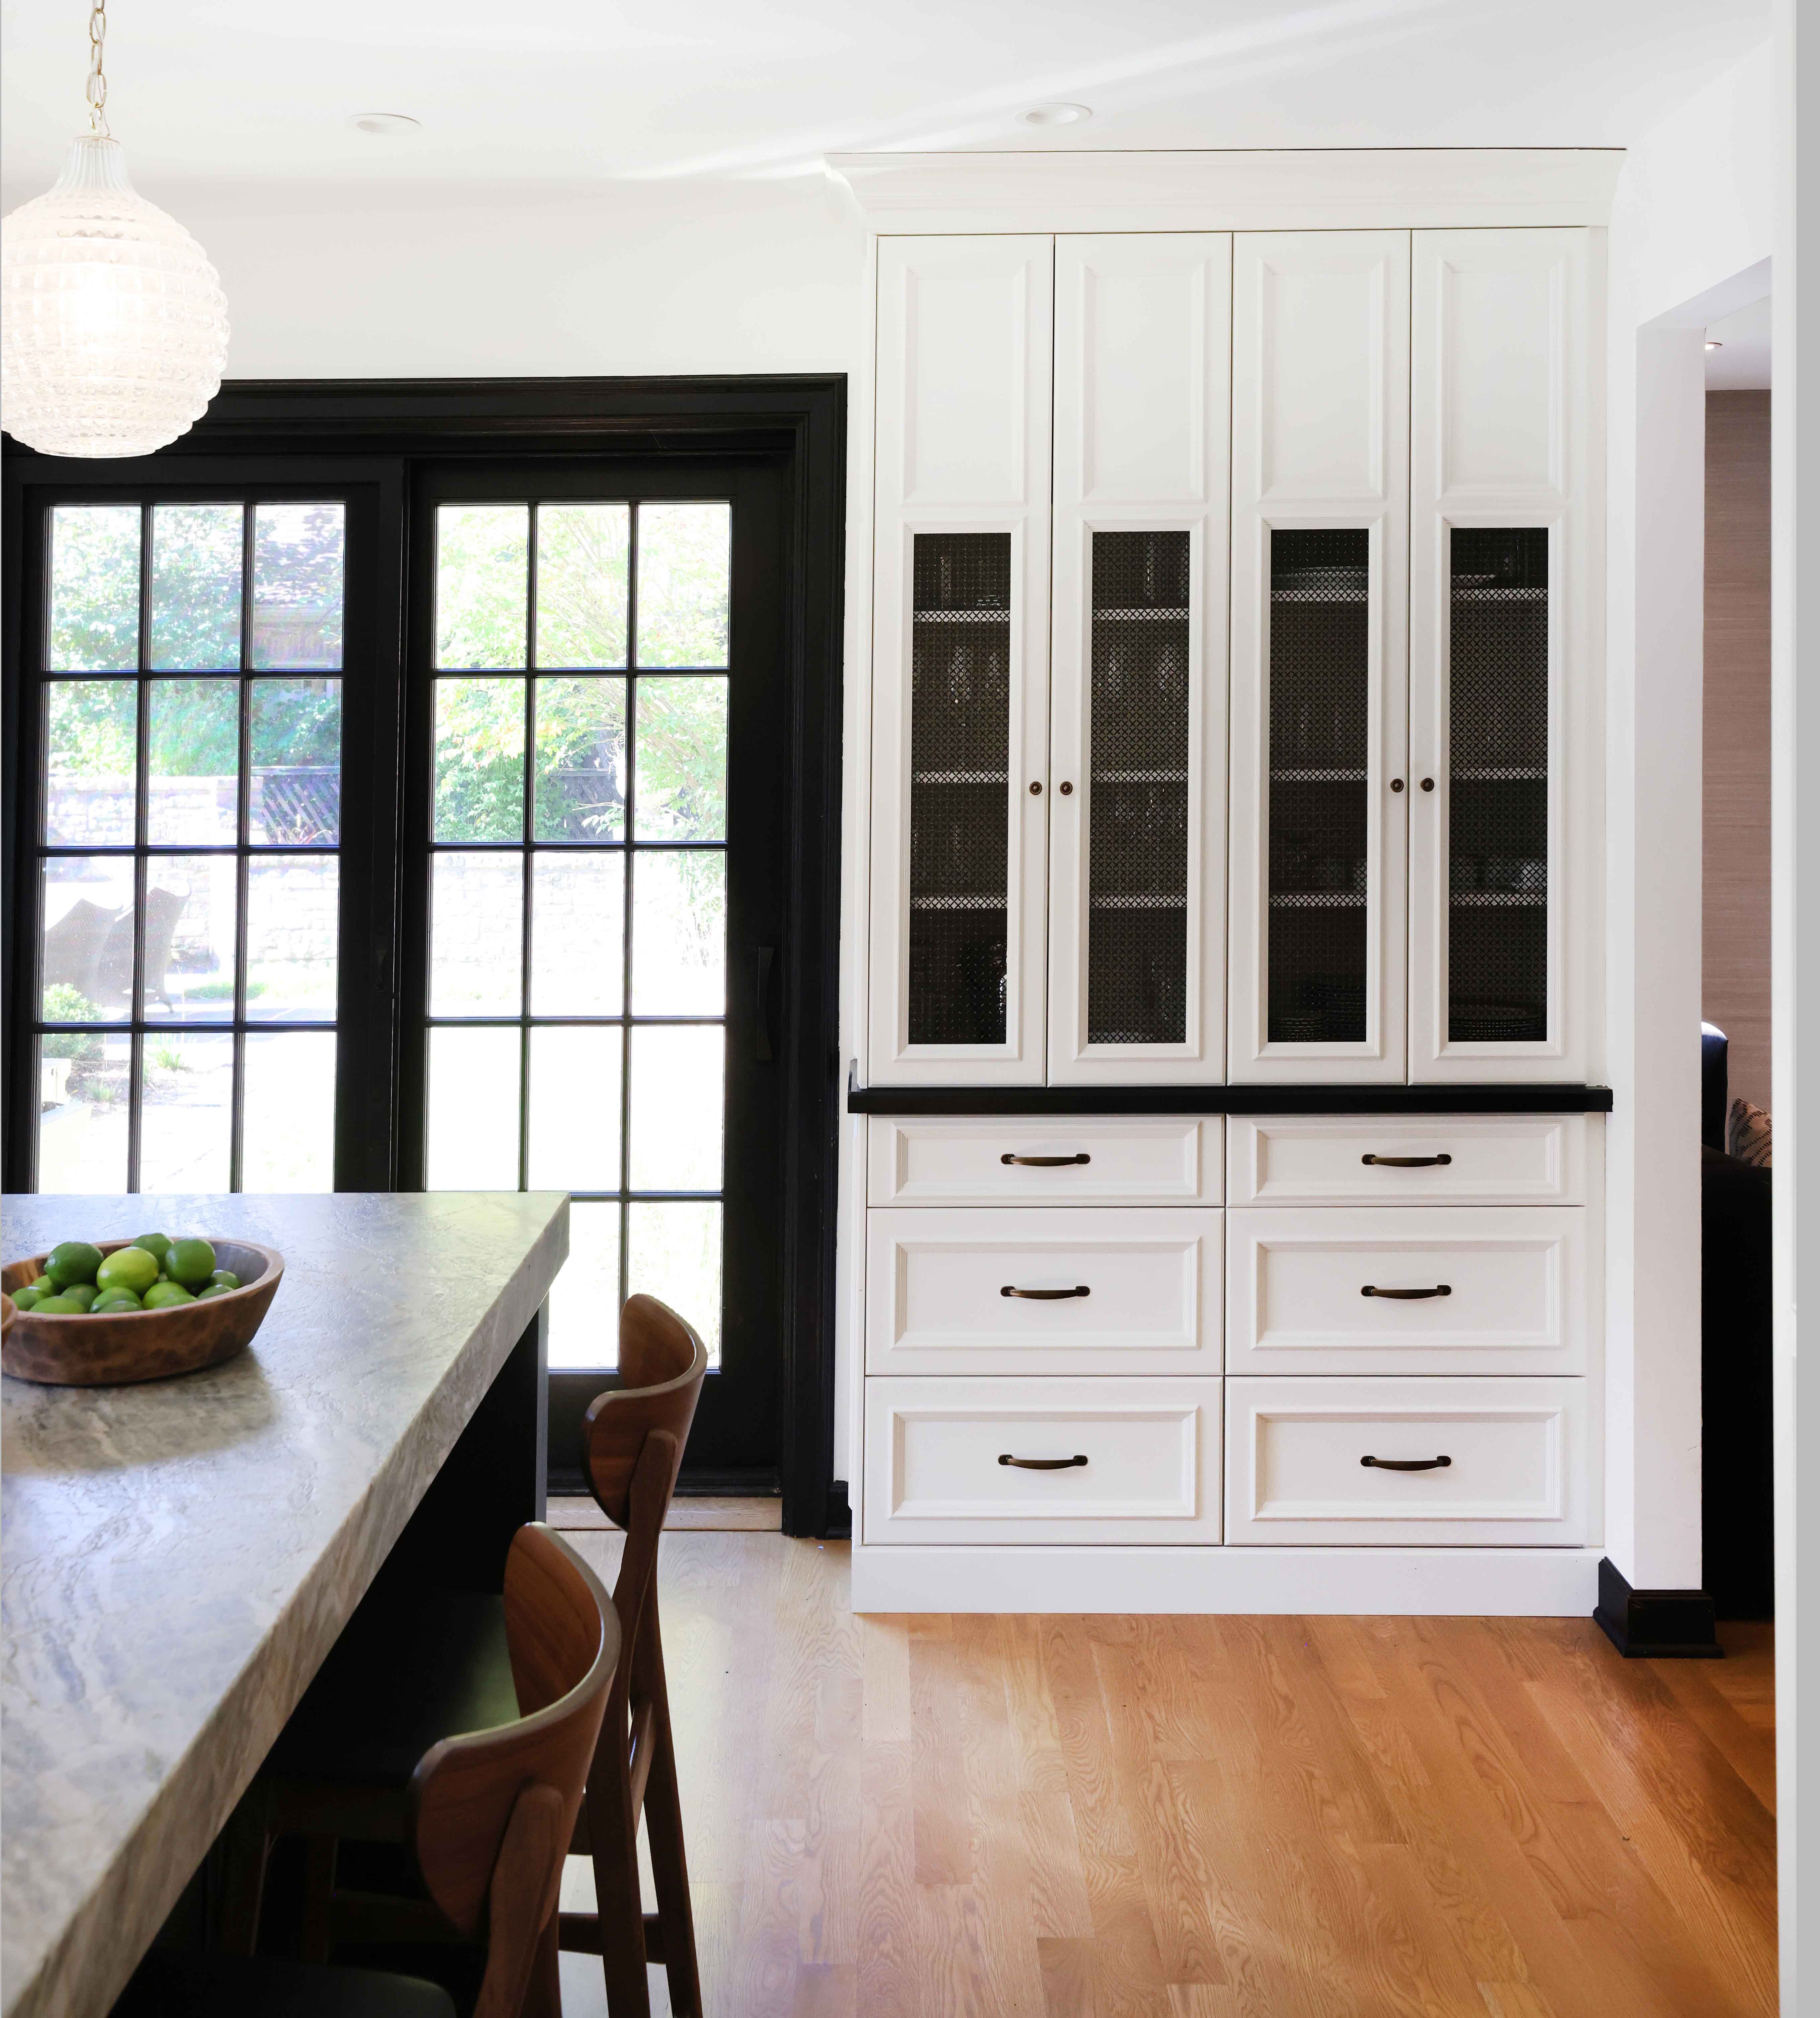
(1517,1452)
(1098,1160)
(937,1285)
(1331,1159)
(1517,1299)
(933,1469)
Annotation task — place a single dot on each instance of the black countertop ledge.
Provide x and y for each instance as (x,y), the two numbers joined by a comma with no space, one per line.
(1536,1097)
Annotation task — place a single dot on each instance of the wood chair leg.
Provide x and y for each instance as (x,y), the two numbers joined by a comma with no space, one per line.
(613,1829)
(318,1897)
(248,1847)
(664,1826)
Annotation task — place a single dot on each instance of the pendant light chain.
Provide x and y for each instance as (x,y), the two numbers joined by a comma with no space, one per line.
(97,86)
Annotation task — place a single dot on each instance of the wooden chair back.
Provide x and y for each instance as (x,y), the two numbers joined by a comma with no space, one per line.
(493,1810)
(662,1361)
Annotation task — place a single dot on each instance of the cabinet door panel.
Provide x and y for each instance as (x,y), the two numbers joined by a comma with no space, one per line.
(1318,689)
(1504,657)
(1137,820)
(960,660)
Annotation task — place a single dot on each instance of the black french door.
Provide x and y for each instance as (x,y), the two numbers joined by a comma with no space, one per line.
(598,723)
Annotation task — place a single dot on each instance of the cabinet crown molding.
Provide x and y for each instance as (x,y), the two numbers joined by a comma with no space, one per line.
(1240,189)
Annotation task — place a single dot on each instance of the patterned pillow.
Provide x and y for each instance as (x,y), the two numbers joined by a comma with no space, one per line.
(1747,1134)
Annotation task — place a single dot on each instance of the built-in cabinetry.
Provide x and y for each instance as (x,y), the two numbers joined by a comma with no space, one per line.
(1235,651)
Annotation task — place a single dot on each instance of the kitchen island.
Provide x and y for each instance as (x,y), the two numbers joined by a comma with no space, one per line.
(178,1556)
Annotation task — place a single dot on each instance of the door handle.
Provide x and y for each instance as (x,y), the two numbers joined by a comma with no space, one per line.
(1399,1463)
(1408,1296)
(1049,1463)
(1405,1162)
(762,1041)
(1046,1162)
(1047,1296)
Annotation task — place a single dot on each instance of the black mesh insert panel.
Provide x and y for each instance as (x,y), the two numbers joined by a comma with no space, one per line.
(960,786)
(1497,862)
(1137,873)
(1319,750)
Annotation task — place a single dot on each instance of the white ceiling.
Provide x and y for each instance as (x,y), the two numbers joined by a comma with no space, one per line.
(1740,364)
(249,92)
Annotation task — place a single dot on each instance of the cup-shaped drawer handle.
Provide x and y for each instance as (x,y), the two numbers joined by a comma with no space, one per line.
(1408,1296)
(1050,1463)
(1406,1162)
(1045,1163)
(1047,1295)
(1399,1463)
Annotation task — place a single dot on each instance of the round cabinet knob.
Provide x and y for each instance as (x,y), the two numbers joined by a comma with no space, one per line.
(1396,784)
(1427,784)
(1065,788)
(1036,789)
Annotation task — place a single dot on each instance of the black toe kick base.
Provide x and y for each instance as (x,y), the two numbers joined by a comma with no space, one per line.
(1655,1625)
(1072,1100)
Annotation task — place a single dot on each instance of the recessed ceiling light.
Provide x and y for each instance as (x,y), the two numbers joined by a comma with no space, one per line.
(384,122)
(1057,115)
(1712,346)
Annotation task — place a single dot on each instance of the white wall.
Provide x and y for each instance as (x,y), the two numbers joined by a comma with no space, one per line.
(1693,210)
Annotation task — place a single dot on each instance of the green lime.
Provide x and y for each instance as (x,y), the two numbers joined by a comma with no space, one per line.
(161,1296)
(60,1307)
(214,1289)
(44,1286)
(128,1268)
(157,1245)
(75,1261)
(26,1298)
(84,1293)
(224,1278)
(112,1299)
(190,1262)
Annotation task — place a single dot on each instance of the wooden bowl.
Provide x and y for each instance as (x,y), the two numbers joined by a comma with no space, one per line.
(125,1346)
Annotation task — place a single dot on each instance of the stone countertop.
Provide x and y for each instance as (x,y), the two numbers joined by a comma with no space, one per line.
(177,1558)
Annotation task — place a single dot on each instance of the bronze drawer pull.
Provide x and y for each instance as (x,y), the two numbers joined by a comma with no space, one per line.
(1406,1162)
(1046,1162)
(1399,1463)
(1051,1463)
(1047,1295)
(1409,1296)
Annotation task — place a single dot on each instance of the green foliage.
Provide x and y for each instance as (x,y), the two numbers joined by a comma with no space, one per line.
(95,588)
(92,726)
(64,1004)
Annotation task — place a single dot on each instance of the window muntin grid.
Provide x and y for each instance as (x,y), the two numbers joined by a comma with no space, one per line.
(576,1000)
(188,852)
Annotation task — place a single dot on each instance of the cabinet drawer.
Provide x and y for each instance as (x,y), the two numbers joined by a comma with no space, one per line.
(934,1469)
(1326,1159)
(994,1159)
(938,1285)
(1515,1284)
(1515,1475)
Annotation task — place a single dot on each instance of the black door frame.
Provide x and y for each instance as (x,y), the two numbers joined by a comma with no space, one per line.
(390,423)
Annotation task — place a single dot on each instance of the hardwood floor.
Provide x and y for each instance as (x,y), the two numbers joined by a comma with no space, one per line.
(1076,1817)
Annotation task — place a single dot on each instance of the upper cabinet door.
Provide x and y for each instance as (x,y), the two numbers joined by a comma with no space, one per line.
(1503,653)
(1137,820)
(961,655)
(1320,512)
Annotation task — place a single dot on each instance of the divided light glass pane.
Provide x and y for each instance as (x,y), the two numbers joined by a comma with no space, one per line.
(685,568)
(482,577)
(479,779)
(578,934)
(191,902)
(475,921)
(678,1106)
(288,1122)
(85,957)
(679,933)
(682,759)
(91,762)
(293,938)
(193,763)
(83,1083)
(186,1118)
(472,1142)
(295,798)
(580,759)
(575,1108)
(674,1255)
(582,583)
(196,587)
(94,626)
(584,1297)
(299,569)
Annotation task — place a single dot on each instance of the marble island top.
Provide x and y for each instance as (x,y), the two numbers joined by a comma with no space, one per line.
(177,1558)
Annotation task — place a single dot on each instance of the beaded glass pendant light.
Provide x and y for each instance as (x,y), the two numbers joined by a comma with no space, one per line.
(113,322)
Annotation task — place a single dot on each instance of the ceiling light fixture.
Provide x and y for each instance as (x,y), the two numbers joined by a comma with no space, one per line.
(113,324)
(1712,346)
(385,122)
(1057,115)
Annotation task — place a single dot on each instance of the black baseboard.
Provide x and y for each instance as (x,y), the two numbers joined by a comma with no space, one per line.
(837,1525)
(1655,1625)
